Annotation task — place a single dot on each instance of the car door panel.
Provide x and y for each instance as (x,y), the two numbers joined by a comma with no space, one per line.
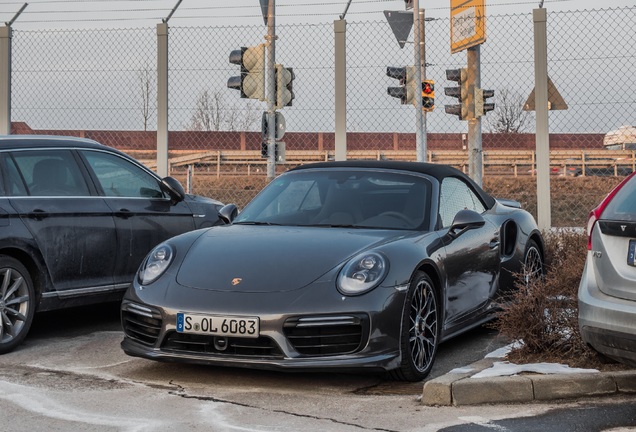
(473,257)
(472,265)
(73,230)
(143,215)
(141,225)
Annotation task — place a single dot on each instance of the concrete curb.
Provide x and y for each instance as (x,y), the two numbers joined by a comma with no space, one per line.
(458,388)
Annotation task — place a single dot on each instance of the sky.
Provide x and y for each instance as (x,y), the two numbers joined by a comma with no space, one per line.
(44,65)
(62,14)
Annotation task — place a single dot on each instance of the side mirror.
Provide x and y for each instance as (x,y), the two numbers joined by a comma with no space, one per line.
(173,188)
(228,213)
(465,220)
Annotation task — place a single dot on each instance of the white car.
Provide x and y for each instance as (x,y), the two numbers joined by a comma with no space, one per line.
(607,293)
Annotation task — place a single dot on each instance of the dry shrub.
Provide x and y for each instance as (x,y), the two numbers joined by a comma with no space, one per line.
(544,313)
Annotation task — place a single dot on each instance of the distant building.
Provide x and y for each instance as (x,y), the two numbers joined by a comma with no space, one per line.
(623,138)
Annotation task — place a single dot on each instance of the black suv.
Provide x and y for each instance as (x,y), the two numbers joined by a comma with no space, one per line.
(76,220)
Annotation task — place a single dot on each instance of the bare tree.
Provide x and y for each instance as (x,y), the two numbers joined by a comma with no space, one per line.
(212,113)
(208,113)
(250,117)
(145,85)
(508,115)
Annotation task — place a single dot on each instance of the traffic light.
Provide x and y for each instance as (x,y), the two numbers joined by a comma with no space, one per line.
(251,82)
(406,91)
(284,86)
(428,95)
(481,96)
(465,107)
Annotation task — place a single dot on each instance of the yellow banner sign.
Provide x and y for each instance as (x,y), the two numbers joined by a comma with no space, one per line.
(468,24)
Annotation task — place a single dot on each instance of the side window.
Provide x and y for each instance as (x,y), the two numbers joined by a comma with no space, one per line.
(119,177)
(47,173)
(455,195)
(15,184)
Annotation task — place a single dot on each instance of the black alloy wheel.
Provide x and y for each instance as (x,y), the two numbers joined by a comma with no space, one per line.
(532,270)
(420,330)
(17,303)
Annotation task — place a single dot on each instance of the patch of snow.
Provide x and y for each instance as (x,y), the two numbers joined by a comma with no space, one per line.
(508,369)
(462,370)
(503,351)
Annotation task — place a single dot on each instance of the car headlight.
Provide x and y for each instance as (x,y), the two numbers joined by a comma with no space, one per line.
(362,273)
(155,264)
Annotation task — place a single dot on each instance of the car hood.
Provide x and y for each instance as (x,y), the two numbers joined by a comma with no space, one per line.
(244,258)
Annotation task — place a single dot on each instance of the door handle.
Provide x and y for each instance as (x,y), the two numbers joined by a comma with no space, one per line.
(38,214)
(123,213)
(494,243)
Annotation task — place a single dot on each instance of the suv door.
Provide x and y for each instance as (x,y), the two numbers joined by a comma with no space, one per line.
(143,214)
(72,227)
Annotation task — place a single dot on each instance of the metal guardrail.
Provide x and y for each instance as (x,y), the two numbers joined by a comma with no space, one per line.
(494,162)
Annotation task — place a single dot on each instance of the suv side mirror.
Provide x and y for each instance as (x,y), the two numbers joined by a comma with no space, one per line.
(173,188)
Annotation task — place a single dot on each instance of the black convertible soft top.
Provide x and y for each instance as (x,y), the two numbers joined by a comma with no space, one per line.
(437,171)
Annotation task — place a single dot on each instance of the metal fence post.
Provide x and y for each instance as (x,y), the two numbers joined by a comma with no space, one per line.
(340,30)
(420,125)
(271,90)
(541,106)
(5,79)
(162,99)
(475,151)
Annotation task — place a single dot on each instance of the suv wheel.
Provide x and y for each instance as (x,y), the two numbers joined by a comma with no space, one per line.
(17,303)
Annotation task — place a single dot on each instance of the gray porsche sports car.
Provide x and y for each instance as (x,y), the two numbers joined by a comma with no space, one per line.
(356,265)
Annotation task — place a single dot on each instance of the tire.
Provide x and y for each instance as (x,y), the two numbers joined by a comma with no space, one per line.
(532,268)
(17,303)
(420,330)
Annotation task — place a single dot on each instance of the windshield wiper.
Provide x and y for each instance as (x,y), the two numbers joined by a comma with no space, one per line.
(335,226)
(256,223)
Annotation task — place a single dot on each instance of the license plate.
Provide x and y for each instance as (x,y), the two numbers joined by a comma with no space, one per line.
(218,325)
(631,253)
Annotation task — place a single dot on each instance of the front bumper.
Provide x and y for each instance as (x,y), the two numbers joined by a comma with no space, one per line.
(308,331)
(357,363)
(607,323)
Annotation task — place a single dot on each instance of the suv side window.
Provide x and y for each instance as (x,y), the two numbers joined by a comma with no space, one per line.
(121,178)
(15,184)
(455,195)
(47,173)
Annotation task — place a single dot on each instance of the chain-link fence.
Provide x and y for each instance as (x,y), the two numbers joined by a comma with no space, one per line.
(101,84)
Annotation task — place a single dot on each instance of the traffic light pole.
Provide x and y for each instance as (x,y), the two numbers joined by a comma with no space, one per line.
(420,74)
(475,161)
(271,91)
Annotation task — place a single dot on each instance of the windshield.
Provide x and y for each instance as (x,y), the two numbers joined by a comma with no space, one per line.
(342,198)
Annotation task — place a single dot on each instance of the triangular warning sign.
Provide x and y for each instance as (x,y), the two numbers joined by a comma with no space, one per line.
(401,23)
(555,100)
(265,9)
